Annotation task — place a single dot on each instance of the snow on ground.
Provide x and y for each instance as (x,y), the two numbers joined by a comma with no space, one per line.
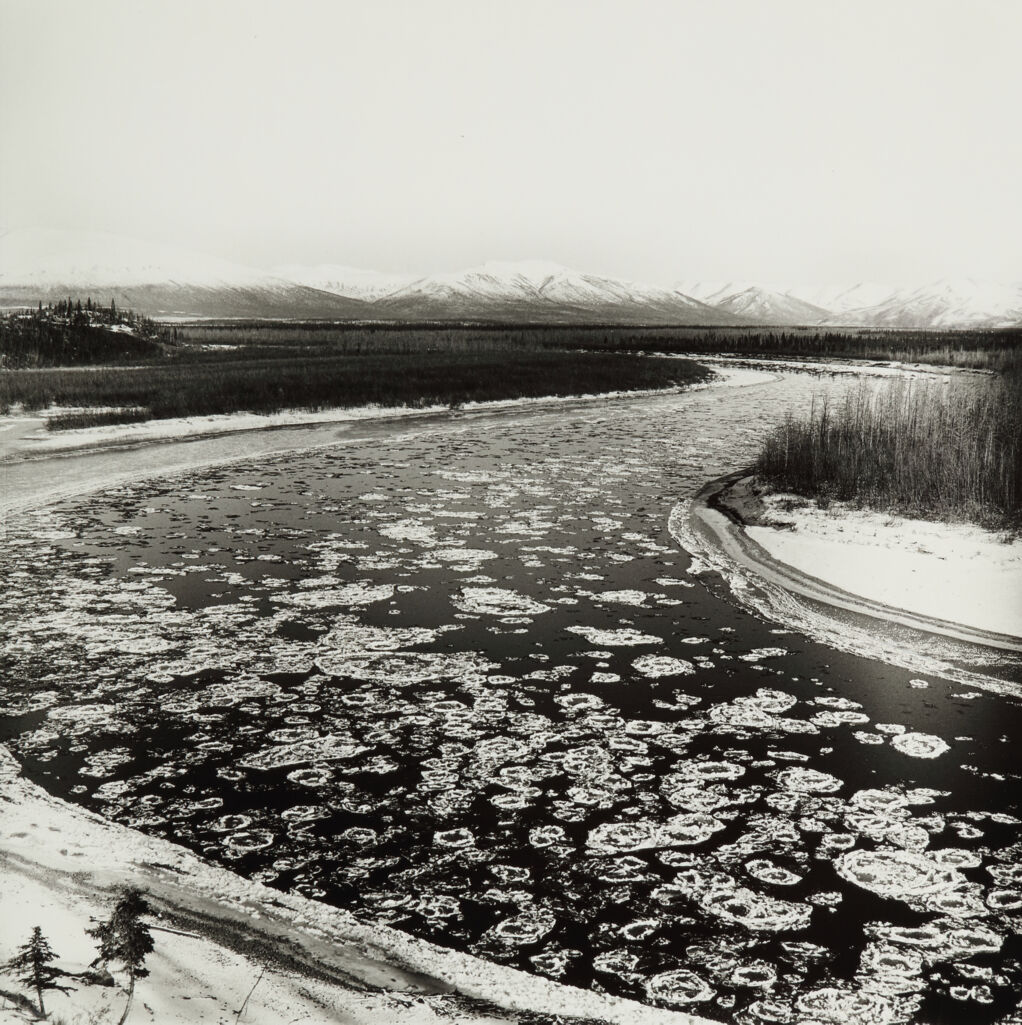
(28,434)
(860,368)
(955,572)
(192,979)
(219,935)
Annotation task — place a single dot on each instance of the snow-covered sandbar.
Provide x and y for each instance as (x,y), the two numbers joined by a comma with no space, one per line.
(954,572)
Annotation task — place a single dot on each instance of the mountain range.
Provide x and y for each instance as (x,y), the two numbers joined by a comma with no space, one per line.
(45,265)
(165,282)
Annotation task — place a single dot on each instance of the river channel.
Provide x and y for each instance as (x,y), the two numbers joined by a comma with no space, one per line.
(457,676)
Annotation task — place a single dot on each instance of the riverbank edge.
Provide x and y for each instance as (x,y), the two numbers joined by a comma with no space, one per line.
(727,507)
(44,444)
(82,859)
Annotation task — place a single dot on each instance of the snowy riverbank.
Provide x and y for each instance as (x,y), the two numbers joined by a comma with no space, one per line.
(220,933)
(955,572)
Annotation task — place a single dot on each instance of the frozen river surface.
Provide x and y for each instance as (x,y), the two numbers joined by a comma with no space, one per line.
(458,677)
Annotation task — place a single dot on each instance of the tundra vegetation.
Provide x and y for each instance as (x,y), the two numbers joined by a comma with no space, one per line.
(115,367)
(945,450)
(269,368)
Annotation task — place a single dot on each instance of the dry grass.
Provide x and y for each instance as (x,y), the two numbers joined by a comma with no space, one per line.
(934,450)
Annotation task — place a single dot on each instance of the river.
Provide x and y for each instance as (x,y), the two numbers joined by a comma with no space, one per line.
(457,675)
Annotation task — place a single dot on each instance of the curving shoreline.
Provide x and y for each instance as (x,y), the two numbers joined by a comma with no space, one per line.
(765,533)
(717,528)
(25,437)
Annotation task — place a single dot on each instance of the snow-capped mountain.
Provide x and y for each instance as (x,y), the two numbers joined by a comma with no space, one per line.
(539,291)
(960,303)
(710,291)
(47,265)
(352,282)
(787,306)
(937,306)
(763,306)
(844,297)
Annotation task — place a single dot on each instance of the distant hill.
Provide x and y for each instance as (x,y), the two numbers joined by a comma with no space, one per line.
(43,265)
(938,306)
(351,282)
(545,293)
(944,304)
(763,306)
(71,333)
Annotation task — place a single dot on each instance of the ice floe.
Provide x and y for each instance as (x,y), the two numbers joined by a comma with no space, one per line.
(919,745)
(621,637)
(495,601)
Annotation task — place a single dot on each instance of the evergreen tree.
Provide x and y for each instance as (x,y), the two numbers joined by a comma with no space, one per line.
(126,938)
(34,962)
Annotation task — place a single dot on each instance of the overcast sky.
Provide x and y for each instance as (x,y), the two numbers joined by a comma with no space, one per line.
(804,141)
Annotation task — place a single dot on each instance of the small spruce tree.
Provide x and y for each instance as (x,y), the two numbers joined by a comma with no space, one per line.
(34,963)
(126,938)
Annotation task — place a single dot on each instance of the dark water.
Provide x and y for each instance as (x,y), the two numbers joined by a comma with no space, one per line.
(464,683)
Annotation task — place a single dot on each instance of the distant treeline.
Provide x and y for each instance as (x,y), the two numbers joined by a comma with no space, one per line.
(80,332)
(239,339)
(267,366)
(72,333)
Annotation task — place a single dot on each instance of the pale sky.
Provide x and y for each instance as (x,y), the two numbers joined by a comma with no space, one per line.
(802,141)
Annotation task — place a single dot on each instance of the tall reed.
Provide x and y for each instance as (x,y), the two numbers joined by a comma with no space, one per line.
(931,449)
